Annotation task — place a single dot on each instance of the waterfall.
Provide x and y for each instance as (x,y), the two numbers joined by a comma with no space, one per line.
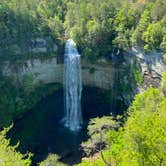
(72,87)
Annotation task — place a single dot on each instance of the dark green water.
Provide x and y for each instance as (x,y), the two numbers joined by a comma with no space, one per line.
(41,132)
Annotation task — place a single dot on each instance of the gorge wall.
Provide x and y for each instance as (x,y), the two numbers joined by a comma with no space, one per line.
(120,76)
(50,71)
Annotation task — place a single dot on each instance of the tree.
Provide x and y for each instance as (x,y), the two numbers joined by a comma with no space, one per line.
(158,10)
(142,140)
(8,154)
(96,130)
(153,36)
(141,27)
(52,160)
(163,83)
(145,132)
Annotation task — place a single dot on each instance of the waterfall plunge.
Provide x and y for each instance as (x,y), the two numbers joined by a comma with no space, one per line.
(72,86)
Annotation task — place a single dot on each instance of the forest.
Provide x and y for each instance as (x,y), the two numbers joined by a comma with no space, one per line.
(97,27)
(134,137)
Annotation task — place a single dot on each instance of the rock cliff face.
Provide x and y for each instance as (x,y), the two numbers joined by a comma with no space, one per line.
(42,71)
(99,75)
(152,67)
(132,74)
(49,71)
(145,71)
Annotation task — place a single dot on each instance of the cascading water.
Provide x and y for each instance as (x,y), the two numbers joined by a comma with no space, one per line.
(72,86)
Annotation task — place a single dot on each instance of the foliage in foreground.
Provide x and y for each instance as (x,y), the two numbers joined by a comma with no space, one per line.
(163,84)
(8,154)
(96,130)
(142,140)
(51,160)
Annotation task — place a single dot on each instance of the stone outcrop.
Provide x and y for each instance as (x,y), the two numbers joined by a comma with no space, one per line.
(42,71)
(152,67)
(100,74)
(49,71)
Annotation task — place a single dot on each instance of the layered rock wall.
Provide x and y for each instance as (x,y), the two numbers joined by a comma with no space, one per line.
(49,71)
